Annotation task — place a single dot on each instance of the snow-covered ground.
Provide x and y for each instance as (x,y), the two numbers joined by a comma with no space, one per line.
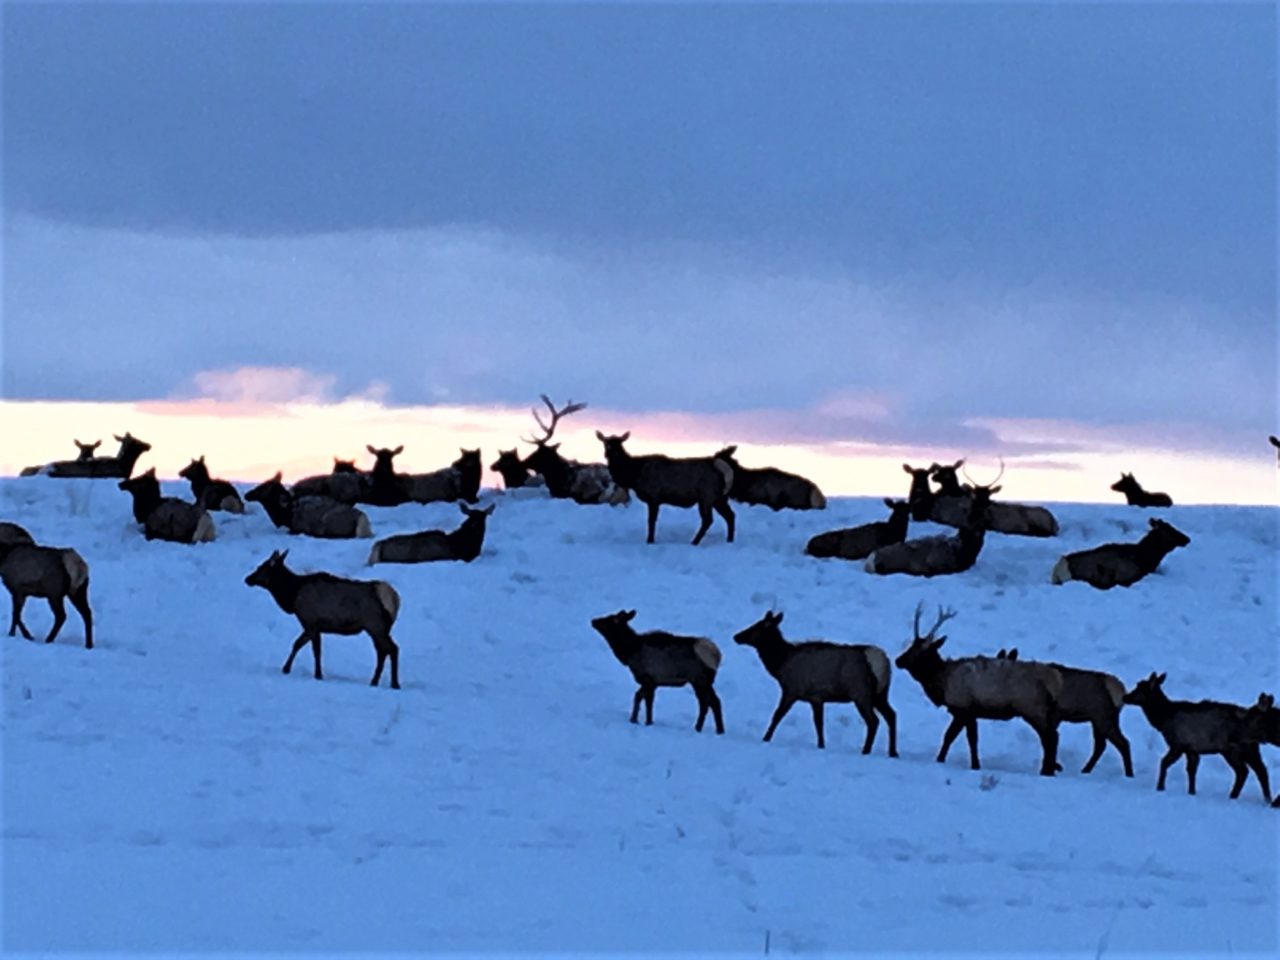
(171,791)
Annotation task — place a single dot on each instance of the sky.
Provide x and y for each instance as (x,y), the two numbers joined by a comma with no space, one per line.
(1043,232)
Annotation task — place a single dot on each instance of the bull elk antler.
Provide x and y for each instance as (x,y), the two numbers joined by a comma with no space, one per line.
(943,616)
(973,483)
(549,430)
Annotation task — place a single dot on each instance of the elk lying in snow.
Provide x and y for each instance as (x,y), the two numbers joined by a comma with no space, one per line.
(119,466)
(937,555)
(1136,496)
(86,450)
(920,496)
(310,516)
(13,535)
(166,518)
(209,493)
(55,573)
(345,484)
(819,672)
(461,544)
(857,543)
(585,483)
(660,659)
(324,603)
(656,479)
(1197,728)
(386,487)
(1095,698)
(458,481)
(950,506)
(984,688)
(515,472)
(1121,564)
(770,486)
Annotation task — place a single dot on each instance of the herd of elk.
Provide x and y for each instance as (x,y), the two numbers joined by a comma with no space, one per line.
(86,464)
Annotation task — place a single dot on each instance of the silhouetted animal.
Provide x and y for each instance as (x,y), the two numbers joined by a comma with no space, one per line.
(1275,442)
(1136,496)
(819,672)
(857,543)
(55,573)
(345,484)
(12,534)
(703,482)
(86,450)
(121,465)
(458,481)
(950,506)
(310,516)
(1121,564)
(585,483)
(324,603)
(166,518)
(938,555)
(920,496)
(463,544)
(515,472)
(770,486)
(386,488)
(660,659)
(209,493)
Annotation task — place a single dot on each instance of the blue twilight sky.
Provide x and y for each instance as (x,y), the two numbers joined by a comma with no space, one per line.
(916,213)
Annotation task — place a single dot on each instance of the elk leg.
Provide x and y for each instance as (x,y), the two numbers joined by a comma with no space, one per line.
(1253,758)
(59,617)
(785,704)
(818,711)
(635,704)
(648,705)
(297,645)
(971,733)
(393,651)
(16,623)
(1122,744)
(80,601)
(726,511)
(315,652)
(873,724)
(381,650)
(948,738)
(891,721)
(1167,761)
(704,514)
(1099,745)
(714,699)
(703,706)
(1193,764)
(1241,771)
(1049,738)
(653,520)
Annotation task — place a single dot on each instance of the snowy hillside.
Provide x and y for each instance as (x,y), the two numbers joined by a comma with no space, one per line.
(171,790)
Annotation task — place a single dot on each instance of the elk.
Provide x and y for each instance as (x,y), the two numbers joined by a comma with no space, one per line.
(458,481)
(515,472)
(462,544)
(57,574)
(585,483)
(1095,698)
(13,535)
(324,603)
(984,688)
(656,479)
(321,517)
(1275,442)
(950,506)
(1136,496)
(1266,712)
(770,486)
(1121,564)
(345,483)
(211,494)
(386,488)
(166,518)
(856,543)
(660,659)
(1196,728)
(938,555)
(819,672)
(86,450)
(920,496)
(118,467)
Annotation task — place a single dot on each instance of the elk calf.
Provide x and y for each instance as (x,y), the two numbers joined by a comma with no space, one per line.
(857,543)
(703,482)
(321,517)
(166,518)
(660,659)
(324,603)
(984,688)
(211,494)
(461,544)
(1121,564)
(1136,496)
(1196,728)
(818,672)
(770,486)
(55,573)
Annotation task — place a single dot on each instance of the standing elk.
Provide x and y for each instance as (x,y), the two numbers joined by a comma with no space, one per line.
(211,494)
(984,688)
(166,518)
(661,659)
(771,487)
(819,672)
(462,544)
(57,574)
(1194,728)
(1135,496)
(656,479)
(321,517)
(1266,712)
(324,603)
(118,467)
(938,555)
(585,483)
(857,543)
(1121,564)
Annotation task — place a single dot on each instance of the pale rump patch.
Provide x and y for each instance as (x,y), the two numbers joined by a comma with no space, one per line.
(726,471)
(205,530)
(232,505)
(362,527)
(375,555)
(817,501)
(1115,690)
(879,663)
(1061,571)
(388,597)
(77,569)
(708,653)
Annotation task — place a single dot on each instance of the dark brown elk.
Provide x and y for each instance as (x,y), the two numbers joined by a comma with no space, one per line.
(514,471)
(86,450)
(984,688)
(655,479)
(857,543)
(1267,718)
(209,493)
(324,603)
(1095,698)
(119,466)
(818,672)
(661,659)
(920,496)
(463,544)
(12,535)
(344,483)
(386,487)
(1193,729)
(1121,564)
(1136,496)
(57,574)
(950,506)
(166,518)
(321,517)
(458,481)
(585,483)
(938,555)
(771,487)
(947,479)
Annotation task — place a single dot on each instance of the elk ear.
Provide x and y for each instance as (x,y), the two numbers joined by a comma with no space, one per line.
(283,554)
(279,477)
(938,642)
(888,503)
(625,437)
(730,451)
(369,447)
(462,508)
(118,437)
(600,436)
(777,617)
(994,490)
(398,450)
(1160,678)
(958,464)
(489,509)
(628,616)
(906,467)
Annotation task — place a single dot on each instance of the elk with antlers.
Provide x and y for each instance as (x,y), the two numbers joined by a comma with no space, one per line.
(586,483)
(984,688)
(950,506)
